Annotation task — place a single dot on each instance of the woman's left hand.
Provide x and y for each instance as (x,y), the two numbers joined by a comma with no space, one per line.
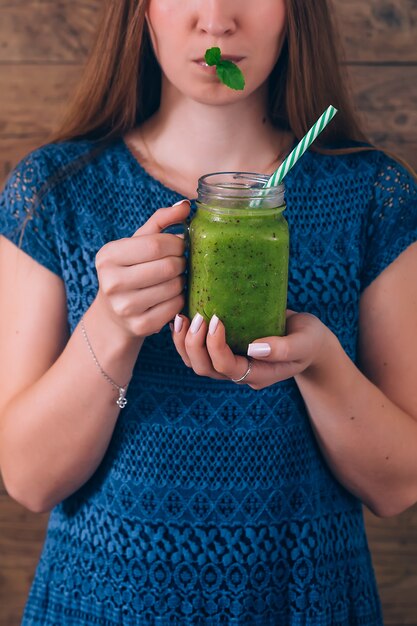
(273,359)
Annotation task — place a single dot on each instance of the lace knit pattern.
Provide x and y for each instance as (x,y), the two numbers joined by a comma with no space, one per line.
(213,505)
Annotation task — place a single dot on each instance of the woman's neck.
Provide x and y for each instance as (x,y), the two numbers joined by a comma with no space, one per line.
(186,139)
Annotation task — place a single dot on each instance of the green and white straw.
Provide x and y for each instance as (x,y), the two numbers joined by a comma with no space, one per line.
(278,176)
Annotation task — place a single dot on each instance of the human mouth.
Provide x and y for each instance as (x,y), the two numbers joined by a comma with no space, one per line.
(225,57)
(211,69)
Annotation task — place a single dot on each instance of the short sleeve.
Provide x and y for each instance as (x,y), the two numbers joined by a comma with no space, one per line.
(392,219)
(27,213)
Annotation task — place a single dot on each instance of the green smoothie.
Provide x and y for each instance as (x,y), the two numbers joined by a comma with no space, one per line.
(238,270)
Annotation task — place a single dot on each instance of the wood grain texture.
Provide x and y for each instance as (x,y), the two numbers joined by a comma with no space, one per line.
(378,30)
(21,537)
(46,31)
(43,44)
(386,98)
(28,109)
(21,534)
(14,587)
(393,544)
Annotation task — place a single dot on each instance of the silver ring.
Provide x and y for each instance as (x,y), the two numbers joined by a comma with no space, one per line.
(239,380)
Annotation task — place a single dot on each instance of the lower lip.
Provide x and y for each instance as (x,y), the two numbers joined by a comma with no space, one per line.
(211,69)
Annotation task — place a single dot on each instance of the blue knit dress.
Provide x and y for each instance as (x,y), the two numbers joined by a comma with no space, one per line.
(213,505)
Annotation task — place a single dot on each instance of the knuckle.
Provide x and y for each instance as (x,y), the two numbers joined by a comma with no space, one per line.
(159,213)
(285,350)
(200,371)
(110,282)
(107,284)
(178,303)
(218,366)
(154,247)
(173,306)
(122,307)
(138,328)
(98,261)
(182,264)
(178,284)
(188,341)
(102,256)
(169,269)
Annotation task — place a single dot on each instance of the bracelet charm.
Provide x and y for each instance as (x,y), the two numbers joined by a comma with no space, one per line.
(121,401)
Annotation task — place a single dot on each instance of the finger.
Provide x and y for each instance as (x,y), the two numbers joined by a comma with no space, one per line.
(297,345)
(131,303)
(271,348)
(195,346)
(279,349)
(143,275)
(165,217)
(224,361)
(181,326)
(134,250)
(155,318)
(235,366)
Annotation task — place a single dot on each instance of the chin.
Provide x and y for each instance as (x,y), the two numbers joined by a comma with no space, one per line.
(216,100)
(218,95)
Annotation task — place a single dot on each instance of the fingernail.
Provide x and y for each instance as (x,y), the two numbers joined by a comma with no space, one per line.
(171,326)
(177,323)
(259,349)
(180,202)
(196,323)
(213,324)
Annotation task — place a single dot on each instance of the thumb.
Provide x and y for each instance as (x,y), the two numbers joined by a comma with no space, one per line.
(271,349)
(304,337)
(165,217)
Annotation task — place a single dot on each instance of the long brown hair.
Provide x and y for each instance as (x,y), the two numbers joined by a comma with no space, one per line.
(121,84)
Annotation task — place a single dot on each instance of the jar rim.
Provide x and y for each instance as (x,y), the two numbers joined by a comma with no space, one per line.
(239,186)
(239,182)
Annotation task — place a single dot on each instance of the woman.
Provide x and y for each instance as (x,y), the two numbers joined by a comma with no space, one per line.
(204,501)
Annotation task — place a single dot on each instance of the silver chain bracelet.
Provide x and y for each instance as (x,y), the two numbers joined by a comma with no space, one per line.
(121,400)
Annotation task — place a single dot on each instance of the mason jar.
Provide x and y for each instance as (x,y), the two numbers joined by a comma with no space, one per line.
(238,256)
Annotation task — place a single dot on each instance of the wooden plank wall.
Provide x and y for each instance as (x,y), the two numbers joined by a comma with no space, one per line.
(43,44)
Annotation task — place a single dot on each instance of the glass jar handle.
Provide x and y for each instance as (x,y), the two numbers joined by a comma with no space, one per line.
(180,228)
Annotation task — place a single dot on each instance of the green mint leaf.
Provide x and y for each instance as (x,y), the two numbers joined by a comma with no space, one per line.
(227,71)
(212,56)
(230,74)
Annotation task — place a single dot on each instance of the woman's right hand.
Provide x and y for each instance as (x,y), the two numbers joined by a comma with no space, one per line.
(141,278)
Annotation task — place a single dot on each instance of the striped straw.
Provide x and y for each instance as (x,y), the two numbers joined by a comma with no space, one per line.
(278,176)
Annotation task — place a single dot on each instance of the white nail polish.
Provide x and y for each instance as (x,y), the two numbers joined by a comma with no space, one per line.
(196,323)
(180,202)
(177,323)
(213,324)
(259,349)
